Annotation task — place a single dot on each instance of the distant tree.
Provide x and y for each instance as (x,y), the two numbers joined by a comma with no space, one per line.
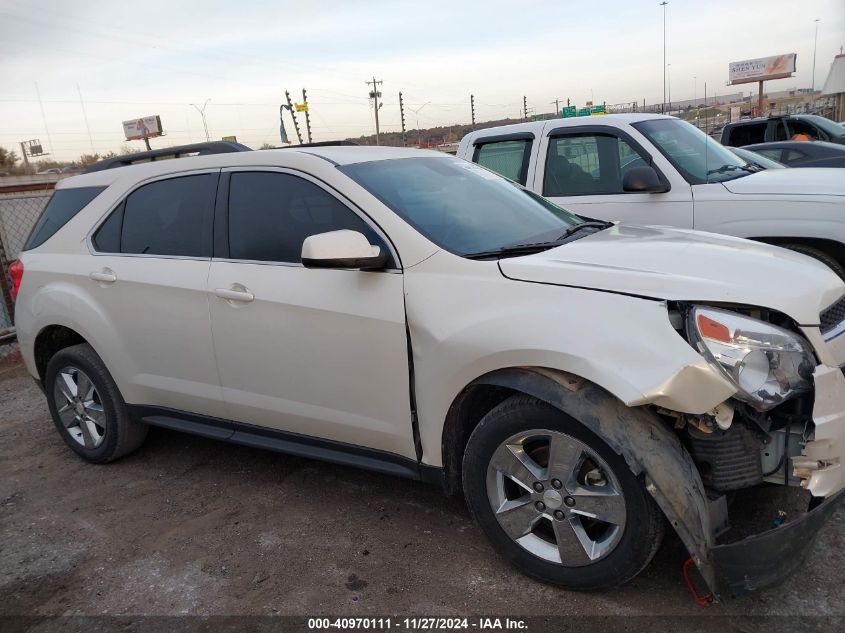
(109,154)
(267,146)
(128,149)
(8,158)
(87,159)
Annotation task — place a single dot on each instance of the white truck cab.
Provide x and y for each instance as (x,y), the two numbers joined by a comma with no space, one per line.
(659,170)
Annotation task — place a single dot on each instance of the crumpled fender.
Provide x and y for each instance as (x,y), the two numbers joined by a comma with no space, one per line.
(650,448)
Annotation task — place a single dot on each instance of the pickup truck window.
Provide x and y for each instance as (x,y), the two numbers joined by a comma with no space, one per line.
(509,158)
(699,158)
(587,164)
(746,134)
(800,128)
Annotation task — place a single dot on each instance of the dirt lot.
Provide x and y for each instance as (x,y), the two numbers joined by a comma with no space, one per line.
(192,526)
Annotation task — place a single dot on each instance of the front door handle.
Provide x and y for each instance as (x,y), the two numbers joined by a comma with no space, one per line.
(230,294)
(106,276)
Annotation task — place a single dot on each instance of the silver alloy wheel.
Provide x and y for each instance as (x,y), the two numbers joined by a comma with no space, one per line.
(79,407)
(556,498)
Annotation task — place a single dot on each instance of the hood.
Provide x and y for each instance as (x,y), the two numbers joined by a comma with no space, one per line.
(691,266)
(807,181)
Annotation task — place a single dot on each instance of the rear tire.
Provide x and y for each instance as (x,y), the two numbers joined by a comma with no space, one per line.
(820,255)
(87,407)
(574,514)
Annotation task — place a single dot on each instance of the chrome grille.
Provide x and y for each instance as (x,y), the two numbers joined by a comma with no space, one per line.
(832,316)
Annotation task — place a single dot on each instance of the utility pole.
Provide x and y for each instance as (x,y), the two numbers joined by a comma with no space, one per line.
(374,95)
(25,158)
(402,116)
(293,116)
(524,108)
(815,45)
(663,4)
(307,118)
(202,114)
(557,105)
(472,110)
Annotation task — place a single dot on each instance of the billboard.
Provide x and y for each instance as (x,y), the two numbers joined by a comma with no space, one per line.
(145,127)
(762,69)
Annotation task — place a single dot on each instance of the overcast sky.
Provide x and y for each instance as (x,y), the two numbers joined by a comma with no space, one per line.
(131,59)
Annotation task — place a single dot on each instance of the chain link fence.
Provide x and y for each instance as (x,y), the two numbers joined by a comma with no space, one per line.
(20,206)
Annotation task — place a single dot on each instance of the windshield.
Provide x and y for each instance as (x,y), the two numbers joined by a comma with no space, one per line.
(460,206)
(757,159)
(698,157)
(832,128)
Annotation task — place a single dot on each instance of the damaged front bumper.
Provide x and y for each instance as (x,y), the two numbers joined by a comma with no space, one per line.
(765,559)
(769,557)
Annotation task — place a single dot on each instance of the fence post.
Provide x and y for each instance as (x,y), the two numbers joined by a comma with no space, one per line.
(5,282)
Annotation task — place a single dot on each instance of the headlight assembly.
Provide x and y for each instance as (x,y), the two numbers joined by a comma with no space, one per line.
(766,363)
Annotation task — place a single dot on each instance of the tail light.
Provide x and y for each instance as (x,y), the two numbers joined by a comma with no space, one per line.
(16,273)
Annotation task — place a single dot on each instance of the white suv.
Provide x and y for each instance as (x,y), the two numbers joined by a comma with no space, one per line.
(415,314)
(658,170)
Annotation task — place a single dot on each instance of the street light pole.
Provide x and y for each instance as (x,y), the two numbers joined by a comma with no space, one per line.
(202,114)
(663,106)
(815,45)
(694,91)
(417,116)
(669,83)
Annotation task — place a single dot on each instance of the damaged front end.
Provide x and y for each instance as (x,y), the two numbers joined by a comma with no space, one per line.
(770,458)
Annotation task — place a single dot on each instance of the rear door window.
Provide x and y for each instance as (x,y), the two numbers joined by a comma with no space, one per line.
(774,154)
(747,134)
(793,155)
(172,217)
(63,205)
(508,158)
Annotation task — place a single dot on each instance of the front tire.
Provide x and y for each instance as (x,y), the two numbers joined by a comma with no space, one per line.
(821,256)
(555,500)
(87,407)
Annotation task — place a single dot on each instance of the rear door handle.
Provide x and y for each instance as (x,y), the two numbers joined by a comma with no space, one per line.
(105,276)
(243,296)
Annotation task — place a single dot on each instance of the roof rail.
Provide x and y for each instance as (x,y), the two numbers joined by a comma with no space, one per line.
(179,151)
(319,144)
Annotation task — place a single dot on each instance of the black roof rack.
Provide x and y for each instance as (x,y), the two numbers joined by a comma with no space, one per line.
(195,149)
(320,144)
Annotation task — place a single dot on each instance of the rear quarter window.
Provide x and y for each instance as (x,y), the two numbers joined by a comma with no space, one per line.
(746,134)
(63,205)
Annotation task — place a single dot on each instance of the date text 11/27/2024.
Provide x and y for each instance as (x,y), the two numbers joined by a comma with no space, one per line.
(418,624)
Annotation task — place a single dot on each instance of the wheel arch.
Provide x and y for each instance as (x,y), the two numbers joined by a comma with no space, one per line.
(650,448)
(833,248)
(49,341)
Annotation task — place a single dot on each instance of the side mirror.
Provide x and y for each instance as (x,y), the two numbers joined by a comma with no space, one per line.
(341,249)
(643,180)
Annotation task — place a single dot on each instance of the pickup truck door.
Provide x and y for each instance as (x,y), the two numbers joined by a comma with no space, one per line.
(317,352)
(581,169)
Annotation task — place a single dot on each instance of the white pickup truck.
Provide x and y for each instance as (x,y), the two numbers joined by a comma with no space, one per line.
(659,170)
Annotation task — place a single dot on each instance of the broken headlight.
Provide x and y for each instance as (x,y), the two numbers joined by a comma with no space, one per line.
(766,363)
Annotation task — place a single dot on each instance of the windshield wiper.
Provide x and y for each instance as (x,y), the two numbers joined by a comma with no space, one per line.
(537,247)
(726,168)
(589,224)
(516,249)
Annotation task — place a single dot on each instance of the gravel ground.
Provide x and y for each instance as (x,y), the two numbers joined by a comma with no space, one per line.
(191,526)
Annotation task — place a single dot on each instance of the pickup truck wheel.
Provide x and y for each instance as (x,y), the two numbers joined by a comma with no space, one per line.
(820,255)
(555,500)
(87,407)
